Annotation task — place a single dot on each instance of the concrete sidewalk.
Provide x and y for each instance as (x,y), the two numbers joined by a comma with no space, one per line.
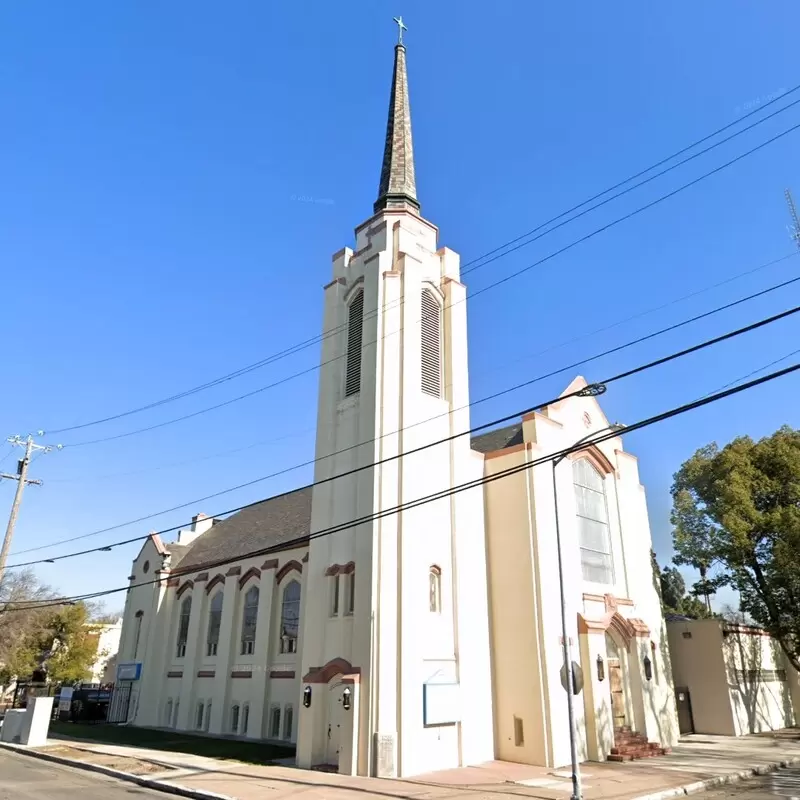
(697,763)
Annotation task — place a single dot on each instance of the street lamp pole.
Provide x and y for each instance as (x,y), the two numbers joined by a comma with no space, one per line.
(577,792)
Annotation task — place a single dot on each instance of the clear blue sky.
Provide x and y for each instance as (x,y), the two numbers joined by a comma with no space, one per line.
(175,178)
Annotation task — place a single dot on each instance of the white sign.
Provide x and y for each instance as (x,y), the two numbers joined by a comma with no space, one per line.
(441,703)
(65,698)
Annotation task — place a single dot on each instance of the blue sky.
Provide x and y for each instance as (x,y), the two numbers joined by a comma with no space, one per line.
(176,177)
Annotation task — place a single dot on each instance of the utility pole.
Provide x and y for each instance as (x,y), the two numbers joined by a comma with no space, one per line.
(22,480)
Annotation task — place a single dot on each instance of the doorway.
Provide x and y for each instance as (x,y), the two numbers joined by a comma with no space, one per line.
(334,731)
(616,684)
(684,703)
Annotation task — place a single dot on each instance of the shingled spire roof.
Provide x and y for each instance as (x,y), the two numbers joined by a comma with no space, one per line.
(398,186)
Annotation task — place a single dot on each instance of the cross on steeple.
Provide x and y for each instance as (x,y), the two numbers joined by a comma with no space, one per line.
(400,28)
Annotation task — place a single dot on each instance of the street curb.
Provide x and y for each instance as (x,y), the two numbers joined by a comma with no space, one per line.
(720,780)
(148,783)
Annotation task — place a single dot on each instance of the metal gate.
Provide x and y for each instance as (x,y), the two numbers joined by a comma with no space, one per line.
(119,704)
(684,703)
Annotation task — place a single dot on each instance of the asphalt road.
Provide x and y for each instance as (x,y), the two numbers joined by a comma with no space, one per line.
(26,778)
(784,783)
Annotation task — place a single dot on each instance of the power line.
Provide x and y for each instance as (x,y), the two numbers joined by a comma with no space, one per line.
(338,329)
(515,415)
(300,541)
(473,295)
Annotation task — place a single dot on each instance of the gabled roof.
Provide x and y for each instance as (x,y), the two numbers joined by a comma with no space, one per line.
(498,439)
(271,523)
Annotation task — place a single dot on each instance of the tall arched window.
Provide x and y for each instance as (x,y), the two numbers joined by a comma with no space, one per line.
(290,617)
(214,623)
(355,335)
(435,589)
(593,536)
(431,344)
(183,626)
(249,621)
(168,714)
(137,633)
(235,719)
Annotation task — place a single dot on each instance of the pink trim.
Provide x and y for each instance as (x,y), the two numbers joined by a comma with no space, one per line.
(282,673)
(207,673)
(272,563)
(241,674)
(156,539)
(596,457)
(234,571)
(336,666)
(200,577)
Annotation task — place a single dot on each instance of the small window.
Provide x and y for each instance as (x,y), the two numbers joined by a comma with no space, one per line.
(288,714)
(431,344)
(290,618)
(334,595)
(275,722)
(519,733)
(137,632)
(201,715)
(207,724)
(146,567)
(355,334)
(350,594)
(435,590)
(183,626)
(245,718)
(235,719)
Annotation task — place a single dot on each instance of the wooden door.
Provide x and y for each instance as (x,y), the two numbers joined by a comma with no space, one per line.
(617,693)
(334,725)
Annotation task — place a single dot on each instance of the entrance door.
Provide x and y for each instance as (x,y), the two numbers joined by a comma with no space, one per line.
(684,703)
(334,724)
(617,693)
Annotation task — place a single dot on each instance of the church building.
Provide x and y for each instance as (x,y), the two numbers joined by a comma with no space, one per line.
(403,615)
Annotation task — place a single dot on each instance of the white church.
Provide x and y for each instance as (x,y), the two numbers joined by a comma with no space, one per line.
(380,622)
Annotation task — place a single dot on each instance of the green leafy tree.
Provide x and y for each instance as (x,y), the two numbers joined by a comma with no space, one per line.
(672,589)
(736,512)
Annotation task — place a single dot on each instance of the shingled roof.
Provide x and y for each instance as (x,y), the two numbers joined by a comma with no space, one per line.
(498,439)
(271,523)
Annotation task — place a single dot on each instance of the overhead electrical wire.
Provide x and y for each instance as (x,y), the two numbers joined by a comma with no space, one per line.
(470,265)
(440,495)
(474,294)
(515,415)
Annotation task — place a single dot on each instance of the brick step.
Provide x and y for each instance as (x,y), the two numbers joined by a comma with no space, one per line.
(632,754)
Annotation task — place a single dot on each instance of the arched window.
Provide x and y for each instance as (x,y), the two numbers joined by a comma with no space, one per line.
(245,718)
(175,714)
(201,715)
(290,617)
(137,632)
(435,589)
(235,719)
(593,536)
(183,626)
(249,621)
(288,714)
(207,724)
(214,623)
(168,714)
(431,345)
(355,335)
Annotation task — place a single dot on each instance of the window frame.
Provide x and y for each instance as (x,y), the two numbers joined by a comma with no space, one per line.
(354,349)
(334,595)
(275,718)
(248,642)
(184,618)
(349,594)
(137,633)
(212,645)
(435,589)
(287,723)
(425,345)
(577,464)
(235,718)
(288,645)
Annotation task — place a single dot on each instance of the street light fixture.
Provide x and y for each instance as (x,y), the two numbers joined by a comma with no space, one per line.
(573,733)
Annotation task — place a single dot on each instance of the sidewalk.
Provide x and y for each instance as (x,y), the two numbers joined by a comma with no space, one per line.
(696,760)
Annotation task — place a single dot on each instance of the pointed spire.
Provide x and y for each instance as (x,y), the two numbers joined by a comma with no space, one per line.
(398,186)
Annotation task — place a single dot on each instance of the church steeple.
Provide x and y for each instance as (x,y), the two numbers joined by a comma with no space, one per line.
(398,186)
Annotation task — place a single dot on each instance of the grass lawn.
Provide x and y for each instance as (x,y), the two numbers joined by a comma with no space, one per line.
(235,749)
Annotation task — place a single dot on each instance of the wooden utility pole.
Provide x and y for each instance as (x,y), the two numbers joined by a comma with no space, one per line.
(22,480)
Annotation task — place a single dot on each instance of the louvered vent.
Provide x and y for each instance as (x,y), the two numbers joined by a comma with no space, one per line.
(431,350)
(355,332)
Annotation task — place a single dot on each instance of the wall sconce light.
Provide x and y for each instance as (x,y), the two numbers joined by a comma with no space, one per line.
(346,698)
(648,668)
(307,696)
(601,669)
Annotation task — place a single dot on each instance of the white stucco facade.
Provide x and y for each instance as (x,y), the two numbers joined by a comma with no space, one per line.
(402,615)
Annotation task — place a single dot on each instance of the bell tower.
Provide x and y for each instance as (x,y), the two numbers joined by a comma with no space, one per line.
(395,648)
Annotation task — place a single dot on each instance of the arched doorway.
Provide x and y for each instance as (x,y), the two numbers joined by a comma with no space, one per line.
(616,682)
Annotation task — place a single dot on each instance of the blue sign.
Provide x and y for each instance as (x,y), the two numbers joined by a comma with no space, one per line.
(129,671)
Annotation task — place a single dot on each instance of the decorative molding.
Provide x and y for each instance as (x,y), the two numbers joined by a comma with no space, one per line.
(201,577)
(206,673)
(601,598)
(217,579)
(282,673)
(173,581)
(626,629)
(271,563)
(186,585)
(156,539)
(336,666)
(341,569)
(335,281)
(304,559)
(241,674)
(234,571)
(596,457)
(287,568)
(253,572)
(175,673)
